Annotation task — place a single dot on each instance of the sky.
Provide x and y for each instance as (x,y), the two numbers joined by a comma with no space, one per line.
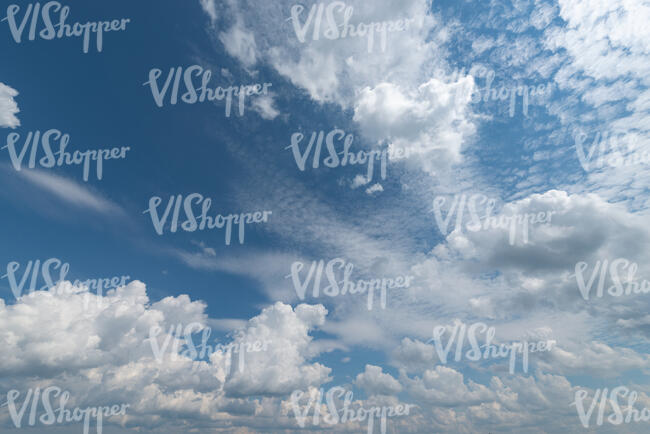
(477,117)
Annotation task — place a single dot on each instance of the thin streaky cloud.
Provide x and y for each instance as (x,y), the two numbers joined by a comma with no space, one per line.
(69,191)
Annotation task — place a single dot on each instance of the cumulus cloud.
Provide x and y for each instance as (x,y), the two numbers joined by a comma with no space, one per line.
(414,355)
(376,382)
(581,227)
(538,272)
(445,386)
(8,107)
(431,122)
(282,368)
(104,351)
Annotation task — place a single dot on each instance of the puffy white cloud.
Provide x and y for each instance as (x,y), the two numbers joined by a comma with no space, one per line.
(537,275)
(376,382)
(281,368)
(582,227)
(8,107)
(104,353)
(446,386)
(72,339)
(431,122)
(414,355)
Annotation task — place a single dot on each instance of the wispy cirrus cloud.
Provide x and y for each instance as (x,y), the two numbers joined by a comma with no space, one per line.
(70,192)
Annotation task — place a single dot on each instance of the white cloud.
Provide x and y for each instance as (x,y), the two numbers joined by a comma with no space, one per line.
(375,188)
(210,7)
(240,43)
(605,52)
(431,123)
(597,359)
(8,107)
(282,368)
(480,274)
(103,353)
(376,382)
(69,191)
(543,15)
(358,181)
(315,72)
(205,250)
(445,386)
(265,106)
(344,72)
(414,355)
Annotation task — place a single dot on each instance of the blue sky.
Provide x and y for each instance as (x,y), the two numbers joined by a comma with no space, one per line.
(591,58)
